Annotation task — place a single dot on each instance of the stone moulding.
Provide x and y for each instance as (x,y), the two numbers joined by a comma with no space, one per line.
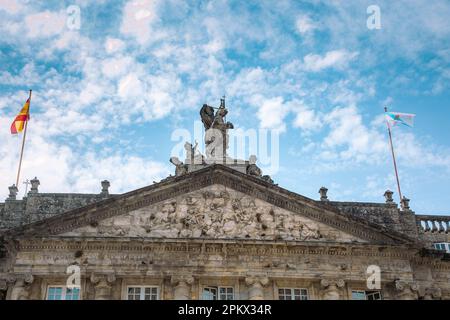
(221,246)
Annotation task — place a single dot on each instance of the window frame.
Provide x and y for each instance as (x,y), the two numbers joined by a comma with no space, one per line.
(367,293)
(142,292)
(63,292)
(445,244)
(218,294)
(293,295)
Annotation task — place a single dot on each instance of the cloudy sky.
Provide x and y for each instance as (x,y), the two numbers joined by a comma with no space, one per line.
(109,93)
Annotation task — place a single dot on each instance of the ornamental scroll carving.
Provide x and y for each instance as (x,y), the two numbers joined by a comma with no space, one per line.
(214,212)
(406,290)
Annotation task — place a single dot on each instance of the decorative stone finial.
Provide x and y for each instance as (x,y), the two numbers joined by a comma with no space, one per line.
(323,194)
(12,192)
(405,203)
(34,185)
(388,195)
(105,186)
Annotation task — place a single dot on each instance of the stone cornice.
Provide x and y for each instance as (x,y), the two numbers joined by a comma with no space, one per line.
(127,246)
(214,246)
(214,174)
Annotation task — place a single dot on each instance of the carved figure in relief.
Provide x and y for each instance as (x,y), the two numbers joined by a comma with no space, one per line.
(215,213)
(309,231)
(267,220)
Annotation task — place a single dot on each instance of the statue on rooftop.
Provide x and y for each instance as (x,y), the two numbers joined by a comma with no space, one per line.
(216,127)
(180,167)
(207,116)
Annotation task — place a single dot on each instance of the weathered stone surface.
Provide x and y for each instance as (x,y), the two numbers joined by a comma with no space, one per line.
(215,212)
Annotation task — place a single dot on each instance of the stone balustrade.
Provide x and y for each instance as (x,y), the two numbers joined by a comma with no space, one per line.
(433,224)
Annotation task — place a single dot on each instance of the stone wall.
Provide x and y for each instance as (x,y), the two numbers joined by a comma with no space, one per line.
(39,206)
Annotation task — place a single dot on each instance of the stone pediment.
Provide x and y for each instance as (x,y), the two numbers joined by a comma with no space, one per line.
(214,212)
(214,202)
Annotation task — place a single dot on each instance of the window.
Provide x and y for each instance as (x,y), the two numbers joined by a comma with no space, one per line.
(366,295)
(444,246)
(142,293)
(63,293)
(292,294)
(217,293)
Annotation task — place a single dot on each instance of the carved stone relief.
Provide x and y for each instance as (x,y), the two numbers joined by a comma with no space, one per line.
(214,212)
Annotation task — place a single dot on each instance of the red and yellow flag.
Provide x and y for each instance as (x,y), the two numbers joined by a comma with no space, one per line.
(23,116)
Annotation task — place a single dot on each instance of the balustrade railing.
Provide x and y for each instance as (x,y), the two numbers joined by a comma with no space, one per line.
(435,224)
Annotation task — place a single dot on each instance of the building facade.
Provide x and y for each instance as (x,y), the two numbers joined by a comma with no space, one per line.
(218,230)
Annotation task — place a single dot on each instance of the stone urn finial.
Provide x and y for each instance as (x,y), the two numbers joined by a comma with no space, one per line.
(12,192)
(34,185)
(388,195)
(405,204)
(105,187)
(323,194)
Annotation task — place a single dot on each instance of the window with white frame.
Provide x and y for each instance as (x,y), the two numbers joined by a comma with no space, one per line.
(217,293)
(366,295)
(292,294)
(142,293)
(444,246)
(62,293)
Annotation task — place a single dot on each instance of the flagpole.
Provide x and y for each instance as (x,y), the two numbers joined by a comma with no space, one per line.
(23,145)
(393,158)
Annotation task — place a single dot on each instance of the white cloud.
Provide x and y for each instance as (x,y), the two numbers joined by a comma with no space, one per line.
(272,113)
(138,17)
(62,168)
(347,129)
(332,59)
(11,6)
(113,45)
(307,119)
(45,24)
(304,24)
(117,66)
(130,86)
(135,172)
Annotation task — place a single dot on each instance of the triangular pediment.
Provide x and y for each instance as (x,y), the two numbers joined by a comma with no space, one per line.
(214,212)
(214,202)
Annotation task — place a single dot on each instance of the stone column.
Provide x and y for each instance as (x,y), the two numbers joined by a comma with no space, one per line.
(21,287)
(406,290)
(256,284)
(103,285)
(331,289)
(182,287)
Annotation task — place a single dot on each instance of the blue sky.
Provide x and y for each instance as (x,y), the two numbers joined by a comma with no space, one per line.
(108,96)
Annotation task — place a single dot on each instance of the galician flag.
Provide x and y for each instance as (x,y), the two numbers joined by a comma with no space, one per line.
(23,116)
(394,118)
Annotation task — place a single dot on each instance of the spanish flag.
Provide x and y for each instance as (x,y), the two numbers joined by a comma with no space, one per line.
(23,116)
